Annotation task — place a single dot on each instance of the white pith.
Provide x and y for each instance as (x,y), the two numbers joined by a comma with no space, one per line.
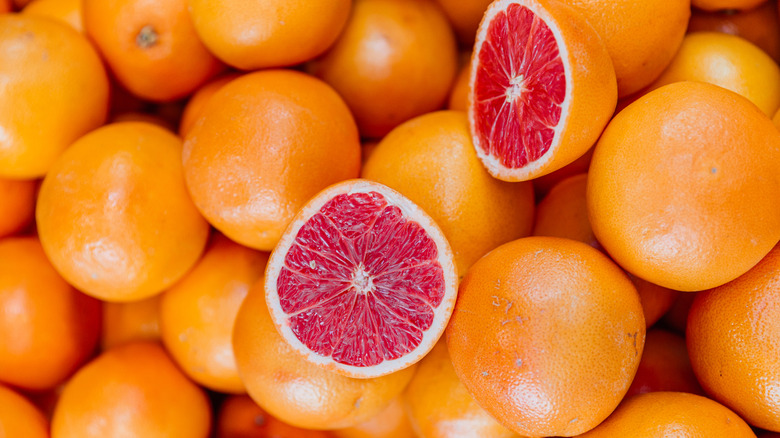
(493,164)
(410,211)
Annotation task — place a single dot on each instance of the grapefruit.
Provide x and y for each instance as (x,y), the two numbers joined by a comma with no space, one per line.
(541,93)
(683,190)
(671,414)
(533,317)
(363,281)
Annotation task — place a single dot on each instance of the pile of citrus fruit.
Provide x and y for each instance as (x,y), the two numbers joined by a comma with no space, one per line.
(389,218)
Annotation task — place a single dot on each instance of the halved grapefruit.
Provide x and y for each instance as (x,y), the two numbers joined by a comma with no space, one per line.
(362,282)
(542,88)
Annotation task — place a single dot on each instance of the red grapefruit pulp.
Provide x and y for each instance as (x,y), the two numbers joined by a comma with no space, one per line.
(521,86)
(363,281)
(542,88)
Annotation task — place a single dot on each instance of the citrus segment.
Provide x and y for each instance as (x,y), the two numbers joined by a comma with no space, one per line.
(537,67)
(363,281)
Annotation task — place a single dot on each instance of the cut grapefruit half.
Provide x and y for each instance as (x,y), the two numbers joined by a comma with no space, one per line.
(542,88)
(362,282)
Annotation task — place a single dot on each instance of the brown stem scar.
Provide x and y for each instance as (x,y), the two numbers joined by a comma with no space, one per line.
(147,37)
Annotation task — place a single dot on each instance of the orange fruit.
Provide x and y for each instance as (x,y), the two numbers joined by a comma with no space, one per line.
(198,312)
(683,189)
(151,46)
(296,391)
(392,422)
(727,61)
(395,60)
(47,327)
(533,112)
(671,414)
(431,160)
(517,337)
(198,101)
(20,3)
(133,321)
(19,417)
(563,213)
(664,366)
(760,25)
(733,339)
(55,91)
(264,144)
(114,215)
(656,300)
(17,205)
(717,5)
(439,405)
(240,417)
(641,36)
(362,282)
(459,95)
(251,34)
(545,183)
(464,15)
(131,390)
(5,6)
(66,11)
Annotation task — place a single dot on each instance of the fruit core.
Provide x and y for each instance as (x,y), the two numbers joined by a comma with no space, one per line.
(361,281)
(519,88)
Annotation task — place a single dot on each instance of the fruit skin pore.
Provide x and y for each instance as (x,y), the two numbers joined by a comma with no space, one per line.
(590,95)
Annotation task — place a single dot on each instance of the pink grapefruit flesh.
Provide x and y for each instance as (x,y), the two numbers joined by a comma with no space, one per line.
(519,87)
(363,281)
